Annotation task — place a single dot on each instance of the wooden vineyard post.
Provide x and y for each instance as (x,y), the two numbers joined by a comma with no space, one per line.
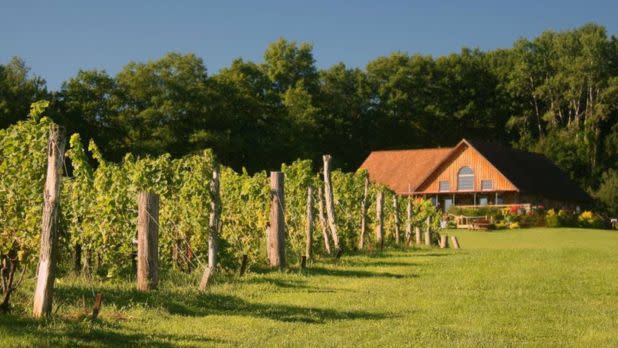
(244,262)
(276,237)
(363,231)
(46,273)
(330,205)
(396,213)
(380,219)
(213,229)
(428,232)
(455,242)
(443,241)
(322,218)
(409,223)
(147,241)
(309,223)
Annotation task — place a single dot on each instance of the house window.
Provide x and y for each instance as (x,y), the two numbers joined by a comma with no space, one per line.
(483,200)
(487,185)
(465,179)
(445,186)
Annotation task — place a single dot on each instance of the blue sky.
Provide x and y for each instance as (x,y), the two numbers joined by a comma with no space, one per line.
(57,38)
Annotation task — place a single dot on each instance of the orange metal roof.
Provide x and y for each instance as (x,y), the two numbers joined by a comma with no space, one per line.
(403,170)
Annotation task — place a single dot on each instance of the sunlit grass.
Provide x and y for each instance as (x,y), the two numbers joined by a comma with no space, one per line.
(537,287)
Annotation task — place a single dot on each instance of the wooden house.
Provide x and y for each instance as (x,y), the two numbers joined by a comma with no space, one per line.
(475,174)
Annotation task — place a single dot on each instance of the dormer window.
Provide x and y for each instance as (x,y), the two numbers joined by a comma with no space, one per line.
(465,179)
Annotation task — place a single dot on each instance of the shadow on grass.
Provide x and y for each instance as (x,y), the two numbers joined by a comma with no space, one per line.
(204,304)
(58,332)
(377,264)
(355,273)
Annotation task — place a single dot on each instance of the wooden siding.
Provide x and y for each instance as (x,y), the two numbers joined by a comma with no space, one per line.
(465,156)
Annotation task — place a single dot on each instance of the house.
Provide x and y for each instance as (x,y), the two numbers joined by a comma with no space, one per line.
(475,174)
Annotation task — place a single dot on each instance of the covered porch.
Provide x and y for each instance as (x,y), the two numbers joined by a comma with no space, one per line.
(499,199)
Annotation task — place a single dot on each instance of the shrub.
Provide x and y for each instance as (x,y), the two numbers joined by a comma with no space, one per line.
(588,219)
(551,219)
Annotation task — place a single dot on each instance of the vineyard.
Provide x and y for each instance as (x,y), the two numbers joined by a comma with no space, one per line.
(200,215)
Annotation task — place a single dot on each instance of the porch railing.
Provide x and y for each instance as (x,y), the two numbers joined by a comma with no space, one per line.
(526,206)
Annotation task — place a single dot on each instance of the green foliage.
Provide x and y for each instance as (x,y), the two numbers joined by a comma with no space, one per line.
(298,177)
(23,159)
(245,202)
(608,191)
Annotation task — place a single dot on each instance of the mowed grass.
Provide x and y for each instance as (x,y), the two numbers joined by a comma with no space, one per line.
(532,287)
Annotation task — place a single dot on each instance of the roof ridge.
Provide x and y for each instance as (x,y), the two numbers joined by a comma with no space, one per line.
(421,149)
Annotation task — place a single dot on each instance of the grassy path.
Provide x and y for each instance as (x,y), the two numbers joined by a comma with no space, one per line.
(515,288)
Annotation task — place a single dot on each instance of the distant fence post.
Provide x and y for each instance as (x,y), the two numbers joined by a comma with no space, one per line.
(443,241)
(147,241)
(330,205)
(396,213)
(363,229)
(409,223)
(380,219)
(455,242)
(322,219)
(276,237)
(428,232)
(309,223)
(46,273)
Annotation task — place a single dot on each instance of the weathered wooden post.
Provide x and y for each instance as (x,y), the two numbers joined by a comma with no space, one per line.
(428,232)
(380,219)
(363,231)
(409,223)
(147,241)
(46,273)
(244,262)
(309,223)
(277,221)
(443,241)
(213,229)
(322,218)
(396,213)
(330,204)
(455,242)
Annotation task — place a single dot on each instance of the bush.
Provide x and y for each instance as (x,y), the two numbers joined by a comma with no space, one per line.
(588,219)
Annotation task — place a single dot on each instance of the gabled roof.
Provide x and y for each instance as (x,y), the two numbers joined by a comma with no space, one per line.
(405,170)
(532,173)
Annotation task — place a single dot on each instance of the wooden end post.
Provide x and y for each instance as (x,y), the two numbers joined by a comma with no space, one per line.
(455,242)
(380,220)
(147,241)
(276,235)
(309,223)
(46,273)
(428,232)
(214,224)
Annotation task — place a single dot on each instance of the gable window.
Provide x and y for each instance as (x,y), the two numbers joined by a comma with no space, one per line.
(487,185)
(465,179)
(444,186)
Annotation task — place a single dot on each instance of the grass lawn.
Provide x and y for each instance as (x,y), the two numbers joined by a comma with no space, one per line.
(534,287)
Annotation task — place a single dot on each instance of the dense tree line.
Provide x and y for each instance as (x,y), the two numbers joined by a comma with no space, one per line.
(556,94)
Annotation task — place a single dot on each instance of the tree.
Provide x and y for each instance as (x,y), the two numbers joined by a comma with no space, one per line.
(608,191)
(160,102)
(18,89)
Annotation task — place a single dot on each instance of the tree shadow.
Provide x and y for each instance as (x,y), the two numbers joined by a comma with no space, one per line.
(71,333)
(378,264)
(355,273)
(205,304)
